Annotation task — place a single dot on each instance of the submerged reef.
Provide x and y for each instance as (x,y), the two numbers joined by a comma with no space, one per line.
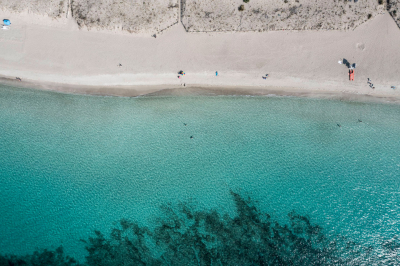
(185,235)
(38,258)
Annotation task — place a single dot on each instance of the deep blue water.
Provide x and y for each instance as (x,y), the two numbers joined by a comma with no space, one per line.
(71,164)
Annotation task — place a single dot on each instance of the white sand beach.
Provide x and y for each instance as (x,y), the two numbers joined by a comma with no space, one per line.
(56,53)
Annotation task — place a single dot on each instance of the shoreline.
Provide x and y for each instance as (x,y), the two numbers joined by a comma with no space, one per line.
(198,90)
(57,56)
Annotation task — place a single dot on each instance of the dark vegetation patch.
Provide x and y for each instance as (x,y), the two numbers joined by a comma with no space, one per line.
(185,235)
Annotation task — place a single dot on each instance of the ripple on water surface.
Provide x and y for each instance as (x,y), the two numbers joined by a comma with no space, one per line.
(71,164)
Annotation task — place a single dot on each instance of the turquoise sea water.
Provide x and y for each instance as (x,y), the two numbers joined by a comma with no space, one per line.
(73,164)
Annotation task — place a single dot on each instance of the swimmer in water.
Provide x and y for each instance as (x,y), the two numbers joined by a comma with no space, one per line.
(359,121)
(191,137)
(339,125)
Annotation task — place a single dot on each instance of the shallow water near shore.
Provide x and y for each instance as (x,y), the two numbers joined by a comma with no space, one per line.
(71,164)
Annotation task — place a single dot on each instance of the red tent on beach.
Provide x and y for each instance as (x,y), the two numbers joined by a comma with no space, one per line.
(351,74)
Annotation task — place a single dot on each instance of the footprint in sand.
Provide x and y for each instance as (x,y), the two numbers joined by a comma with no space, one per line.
(360,46)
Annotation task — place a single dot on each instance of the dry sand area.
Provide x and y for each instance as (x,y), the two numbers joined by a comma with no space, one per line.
(93,52)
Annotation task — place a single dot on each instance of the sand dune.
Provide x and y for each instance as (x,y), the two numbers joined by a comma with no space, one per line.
(137,16)
(51,8)
(265,15)
(132,15)
(393,6)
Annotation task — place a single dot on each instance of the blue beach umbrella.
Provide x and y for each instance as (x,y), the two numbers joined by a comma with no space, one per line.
(7,22)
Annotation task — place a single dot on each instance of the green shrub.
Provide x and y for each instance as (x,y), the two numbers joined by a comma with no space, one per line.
(241,7)
(246,1)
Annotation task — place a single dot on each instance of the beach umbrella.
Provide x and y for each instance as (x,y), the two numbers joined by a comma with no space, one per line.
(6,22)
